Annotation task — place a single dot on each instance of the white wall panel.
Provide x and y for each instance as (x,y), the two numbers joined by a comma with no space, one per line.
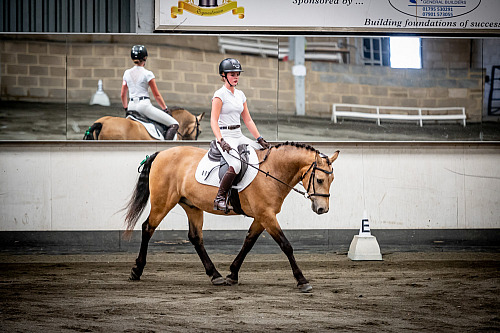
(77,186)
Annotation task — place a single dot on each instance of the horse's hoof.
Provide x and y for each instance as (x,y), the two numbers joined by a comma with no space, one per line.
(218,281)
(134,276)
(305,288)
(230,281)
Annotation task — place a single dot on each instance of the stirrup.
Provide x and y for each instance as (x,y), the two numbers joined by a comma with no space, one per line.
(225,209)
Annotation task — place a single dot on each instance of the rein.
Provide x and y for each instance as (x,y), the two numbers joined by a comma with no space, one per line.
(313,167)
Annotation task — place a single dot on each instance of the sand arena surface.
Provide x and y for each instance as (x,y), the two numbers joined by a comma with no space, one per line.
(443,292)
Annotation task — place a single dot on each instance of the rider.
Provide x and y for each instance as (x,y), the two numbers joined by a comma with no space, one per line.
(228,104)
(137,80)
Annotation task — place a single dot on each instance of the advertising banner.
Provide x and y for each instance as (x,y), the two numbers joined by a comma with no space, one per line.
(328,15)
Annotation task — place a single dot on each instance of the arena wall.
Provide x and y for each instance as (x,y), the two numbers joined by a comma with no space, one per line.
(83,186)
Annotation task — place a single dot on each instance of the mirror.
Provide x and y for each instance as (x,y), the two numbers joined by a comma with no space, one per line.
(301,88)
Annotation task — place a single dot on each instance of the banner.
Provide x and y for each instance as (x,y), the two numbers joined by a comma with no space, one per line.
(328,15)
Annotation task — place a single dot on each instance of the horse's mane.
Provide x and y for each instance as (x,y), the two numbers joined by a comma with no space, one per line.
(302,146)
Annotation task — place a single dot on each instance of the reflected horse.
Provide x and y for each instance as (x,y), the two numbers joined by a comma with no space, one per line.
(168,179)
(117,128)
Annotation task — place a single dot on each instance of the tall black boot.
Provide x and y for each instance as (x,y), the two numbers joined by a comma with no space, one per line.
(225,185)
(172,130)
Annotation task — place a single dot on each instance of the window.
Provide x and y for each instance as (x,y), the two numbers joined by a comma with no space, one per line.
(405,52)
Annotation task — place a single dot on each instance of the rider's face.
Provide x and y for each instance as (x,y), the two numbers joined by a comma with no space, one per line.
(233,77)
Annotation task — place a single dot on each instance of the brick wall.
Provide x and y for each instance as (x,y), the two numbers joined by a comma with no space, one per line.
(41,71)
(187,76)
(328,83)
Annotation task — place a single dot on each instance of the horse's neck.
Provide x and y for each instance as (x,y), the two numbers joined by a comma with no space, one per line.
(287,163)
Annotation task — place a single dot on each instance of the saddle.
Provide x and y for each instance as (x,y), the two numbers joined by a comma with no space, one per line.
(134,115)
(215,155)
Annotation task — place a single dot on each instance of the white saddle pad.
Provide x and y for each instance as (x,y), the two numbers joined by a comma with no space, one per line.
(152,130)
(207,172)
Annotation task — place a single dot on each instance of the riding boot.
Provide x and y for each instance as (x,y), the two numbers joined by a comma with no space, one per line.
(225,186)
(172,130)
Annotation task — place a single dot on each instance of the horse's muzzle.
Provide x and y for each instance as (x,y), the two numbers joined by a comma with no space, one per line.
(318,209)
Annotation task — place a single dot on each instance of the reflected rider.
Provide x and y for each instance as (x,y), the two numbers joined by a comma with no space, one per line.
(136,81)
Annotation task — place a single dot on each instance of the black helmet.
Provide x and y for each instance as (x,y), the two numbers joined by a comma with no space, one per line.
(138,52)
(229,65)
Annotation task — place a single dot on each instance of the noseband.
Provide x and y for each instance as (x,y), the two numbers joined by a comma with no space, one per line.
(196,128)
(314,167)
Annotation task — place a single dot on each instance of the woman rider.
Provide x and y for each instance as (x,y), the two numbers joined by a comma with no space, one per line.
(136,81)
(228,104)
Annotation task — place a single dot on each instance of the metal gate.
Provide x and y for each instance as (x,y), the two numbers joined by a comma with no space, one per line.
(86,16)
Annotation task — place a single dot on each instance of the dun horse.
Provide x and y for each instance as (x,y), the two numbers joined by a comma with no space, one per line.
(168,177)
(117,128)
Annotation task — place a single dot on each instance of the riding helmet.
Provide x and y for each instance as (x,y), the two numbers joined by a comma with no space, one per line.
(138,52)
(229,65)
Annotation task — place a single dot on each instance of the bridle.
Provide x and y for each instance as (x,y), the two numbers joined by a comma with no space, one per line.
(312,168)
(196,128)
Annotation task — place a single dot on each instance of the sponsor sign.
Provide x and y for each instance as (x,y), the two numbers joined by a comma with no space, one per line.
(328,15)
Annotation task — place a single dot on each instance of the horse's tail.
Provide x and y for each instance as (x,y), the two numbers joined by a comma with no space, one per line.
(95,128)
(140,197)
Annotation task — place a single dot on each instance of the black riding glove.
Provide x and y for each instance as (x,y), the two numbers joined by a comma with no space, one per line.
(224,145)
(263,143)
(167,111)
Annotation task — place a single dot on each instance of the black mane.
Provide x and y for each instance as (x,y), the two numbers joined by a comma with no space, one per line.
(304,146)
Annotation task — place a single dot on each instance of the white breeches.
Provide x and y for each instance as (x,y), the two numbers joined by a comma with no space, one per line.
(147,109)
(235,138)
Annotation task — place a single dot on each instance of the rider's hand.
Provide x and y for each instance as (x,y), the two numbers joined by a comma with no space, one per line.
(263,143)
(224,145)
(167,111)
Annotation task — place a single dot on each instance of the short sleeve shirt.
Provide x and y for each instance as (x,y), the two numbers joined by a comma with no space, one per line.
(232,106)
(137,79)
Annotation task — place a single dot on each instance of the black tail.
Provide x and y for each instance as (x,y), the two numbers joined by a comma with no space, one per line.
(89,134)
(140,197)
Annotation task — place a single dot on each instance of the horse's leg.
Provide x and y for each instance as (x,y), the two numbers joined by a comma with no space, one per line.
(273,228)
(159,209)
(252,236)
(195,235)
(140,262)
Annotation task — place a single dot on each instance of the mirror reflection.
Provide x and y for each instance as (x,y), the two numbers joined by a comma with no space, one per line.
(301,88)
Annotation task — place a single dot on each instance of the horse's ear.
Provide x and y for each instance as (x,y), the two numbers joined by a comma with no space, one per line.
(334,156)
(200,117)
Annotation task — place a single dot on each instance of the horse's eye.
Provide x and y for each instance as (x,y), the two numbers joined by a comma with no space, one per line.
(320,181)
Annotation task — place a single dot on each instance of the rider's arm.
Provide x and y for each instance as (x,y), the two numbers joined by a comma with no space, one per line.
(156,94)
(124,94)
(247,119)
(214,117)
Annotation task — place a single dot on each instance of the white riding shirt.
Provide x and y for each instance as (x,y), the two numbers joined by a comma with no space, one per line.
(137,79)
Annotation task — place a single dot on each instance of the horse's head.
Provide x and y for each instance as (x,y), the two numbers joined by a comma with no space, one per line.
(317,180)
(190,125)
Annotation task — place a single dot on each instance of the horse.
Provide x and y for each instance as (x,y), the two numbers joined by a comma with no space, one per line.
(117,128)
(168,179)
